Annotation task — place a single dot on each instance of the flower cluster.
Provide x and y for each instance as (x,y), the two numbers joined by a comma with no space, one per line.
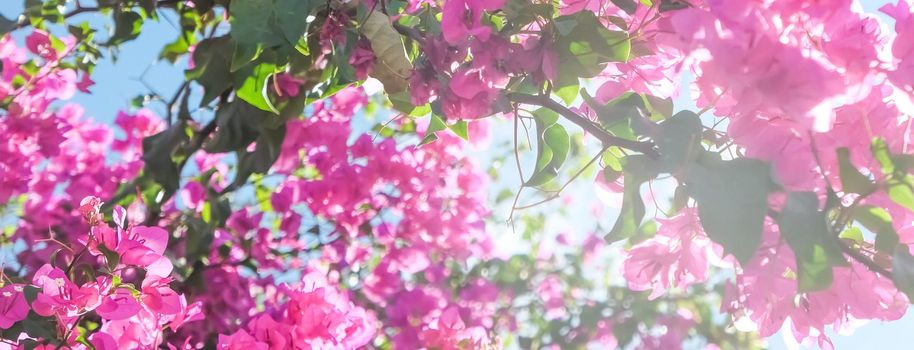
(132,314)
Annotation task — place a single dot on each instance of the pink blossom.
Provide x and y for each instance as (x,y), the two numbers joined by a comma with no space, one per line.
(675,257)
(287,86)
(13,305)
(461,19)
(61,297)
(119,305)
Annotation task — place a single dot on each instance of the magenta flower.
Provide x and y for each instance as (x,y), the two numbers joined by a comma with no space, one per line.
(61,297)
(461,19)
(13,306)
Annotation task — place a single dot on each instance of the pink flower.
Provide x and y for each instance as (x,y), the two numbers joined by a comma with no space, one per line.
(119,305)
(362,59)
(675,257)
(103,341)
(137,246)
(158,297)
(39,43)
(13,306)
(287,86)
(59,296)
(240,340)
(461,19)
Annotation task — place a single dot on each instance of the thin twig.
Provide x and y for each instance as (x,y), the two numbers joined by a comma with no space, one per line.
(605,137)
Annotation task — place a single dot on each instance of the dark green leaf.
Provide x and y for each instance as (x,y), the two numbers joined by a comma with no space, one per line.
(37,326)
(732,199)
(253,23)
(212,58)
(127,26)
(112,258)
(237,125)
(672,5)
(679,141)
(629,6)
(244,54)
(265,153)
(31,293)
(199,238)
(852,181)
(290,17)
(158,152)
(6,25)
(903,271)
(522,12)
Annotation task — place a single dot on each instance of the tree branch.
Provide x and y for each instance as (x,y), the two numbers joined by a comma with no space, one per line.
(592,128)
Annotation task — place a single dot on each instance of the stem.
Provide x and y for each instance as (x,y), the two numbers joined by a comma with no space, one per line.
(605,137)
(866,261)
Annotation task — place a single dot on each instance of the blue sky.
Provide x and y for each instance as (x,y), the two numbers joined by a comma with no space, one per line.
(137,70)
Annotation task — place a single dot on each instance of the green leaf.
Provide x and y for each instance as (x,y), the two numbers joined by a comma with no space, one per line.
(566,87)
(392,67)
(637,170)
(732,199)
(158,151)
(244,54)
(265,153)
(903,271)
(899,184)
(522,12)
(553,144)
(679,141)
(176,48)
(31,293)
(881,153)
(37,326)
(436,124)
(112,258)
(252,86)
(545,117)
(852,181)
(460,128)
(901,191)
(680,199)
(6,25)
(879,221)
(622,116)
(212,58)
(253,23)
(584,45)
(290,17)
(237,125)
(199,238)
(853,234)
(629,6)
(673,5)
(127,26)
(806,230)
